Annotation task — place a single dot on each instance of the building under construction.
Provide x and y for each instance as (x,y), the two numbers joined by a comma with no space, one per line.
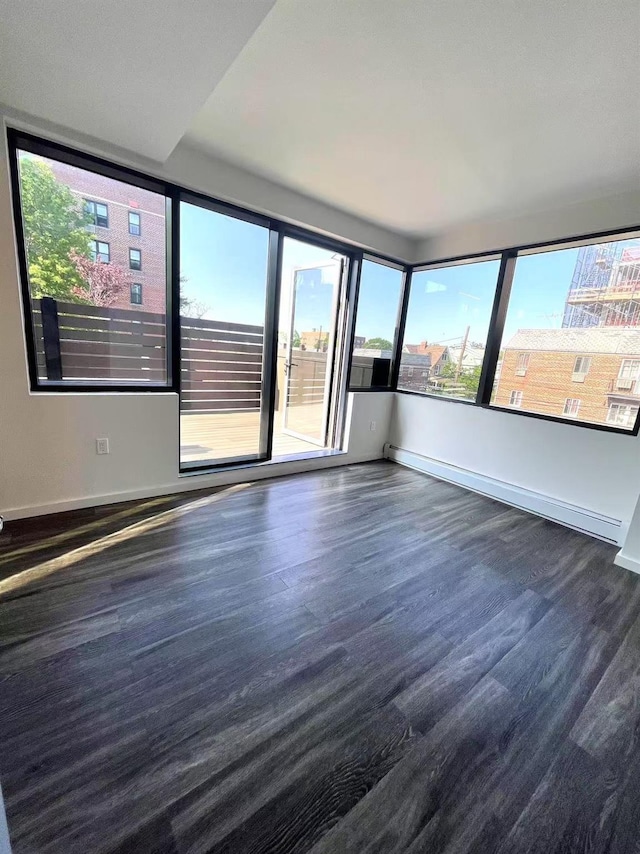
(605,288)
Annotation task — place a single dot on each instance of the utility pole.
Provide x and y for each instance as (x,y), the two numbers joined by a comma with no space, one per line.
(462,349)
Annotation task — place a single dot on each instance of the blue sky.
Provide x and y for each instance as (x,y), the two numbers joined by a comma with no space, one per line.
(445,301)
(224,261)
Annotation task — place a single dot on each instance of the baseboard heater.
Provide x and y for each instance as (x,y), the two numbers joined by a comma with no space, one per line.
(579,518)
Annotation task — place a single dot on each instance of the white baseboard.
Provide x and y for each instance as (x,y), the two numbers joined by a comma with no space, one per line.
(571,515)
(626,562)
(193,482)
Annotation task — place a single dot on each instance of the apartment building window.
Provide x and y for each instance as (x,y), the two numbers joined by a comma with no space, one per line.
(563,306)
(100,251)
(135,259)
(628,374)
(98,212)
(571,407)
(523,364)
(377,312)
(71,309)
(447,325)
(134,223)
(515,398)
(622,415)
(581,368)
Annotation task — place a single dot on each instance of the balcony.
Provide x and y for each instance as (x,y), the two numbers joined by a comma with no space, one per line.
(624,388)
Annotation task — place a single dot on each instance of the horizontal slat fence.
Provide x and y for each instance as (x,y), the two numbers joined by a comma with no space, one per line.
(221,362)
(221,365)
(307,379)
(83,343)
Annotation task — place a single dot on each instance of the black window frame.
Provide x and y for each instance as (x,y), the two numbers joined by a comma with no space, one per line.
(137,285)
(91,207)
(394,367)
(137,233)
(95,253)
(137,269)
(508,257)
(18,140)
(22,140)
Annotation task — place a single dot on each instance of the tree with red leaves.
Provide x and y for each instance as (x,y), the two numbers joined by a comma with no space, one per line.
(104,282)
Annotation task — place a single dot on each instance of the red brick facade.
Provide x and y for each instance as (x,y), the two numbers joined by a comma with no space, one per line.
(548,380)
(121,198)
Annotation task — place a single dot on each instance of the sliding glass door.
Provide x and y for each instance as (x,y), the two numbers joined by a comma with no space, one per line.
(311,284)
(225,391)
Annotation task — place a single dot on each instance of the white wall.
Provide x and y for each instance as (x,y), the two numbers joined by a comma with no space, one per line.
(47,441)
(203,173)
(620,210)
(590,469)
(629,556)
(594,470)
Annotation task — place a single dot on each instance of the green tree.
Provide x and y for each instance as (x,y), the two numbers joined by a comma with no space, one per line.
(448,371)
(470,379)
(296,339)
(54,229)
(378,344)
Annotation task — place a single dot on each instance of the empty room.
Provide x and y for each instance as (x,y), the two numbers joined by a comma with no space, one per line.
(319,427)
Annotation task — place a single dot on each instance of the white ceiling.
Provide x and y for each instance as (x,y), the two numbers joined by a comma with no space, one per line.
(419,114)
(413,114)
(132,74)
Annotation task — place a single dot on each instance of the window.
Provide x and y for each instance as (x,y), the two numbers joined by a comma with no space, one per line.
(566,309)
(581,368)
(223,352)
(134,223)
(377,311)
(622,415)
(81,332)
(98,212)
(100,251)
(571,407)
(135,259)
(515,398)
(447,326)
(523,364)
(628,374)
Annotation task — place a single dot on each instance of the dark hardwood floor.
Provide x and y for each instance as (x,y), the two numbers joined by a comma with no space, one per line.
(357,660)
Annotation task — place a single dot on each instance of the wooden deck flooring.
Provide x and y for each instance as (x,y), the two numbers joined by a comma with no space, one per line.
(362,659)
(216,435)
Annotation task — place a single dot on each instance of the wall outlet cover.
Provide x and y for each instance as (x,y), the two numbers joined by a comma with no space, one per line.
(102,446)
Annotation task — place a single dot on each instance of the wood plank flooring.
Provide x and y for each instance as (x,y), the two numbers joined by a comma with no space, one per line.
(362,659)
(216,435)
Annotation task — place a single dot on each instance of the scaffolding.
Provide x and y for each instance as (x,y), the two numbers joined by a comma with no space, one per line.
(605,288)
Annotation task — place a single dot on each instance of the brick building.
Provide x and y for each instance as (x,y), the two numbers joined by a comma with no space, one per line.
(591,374)
(128,230)
(438,355)
(415,371)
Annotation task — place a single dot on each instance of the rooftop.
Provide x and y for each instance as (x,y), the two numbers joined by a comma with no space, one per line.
(620,340)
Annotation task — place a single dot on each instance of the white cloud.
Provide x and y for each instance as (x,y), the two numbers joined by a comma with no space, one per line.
(434,287)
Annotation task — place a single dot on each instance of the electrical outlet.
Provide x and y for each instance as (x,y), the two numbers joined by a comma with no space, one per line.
(102,446)
(372,426)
